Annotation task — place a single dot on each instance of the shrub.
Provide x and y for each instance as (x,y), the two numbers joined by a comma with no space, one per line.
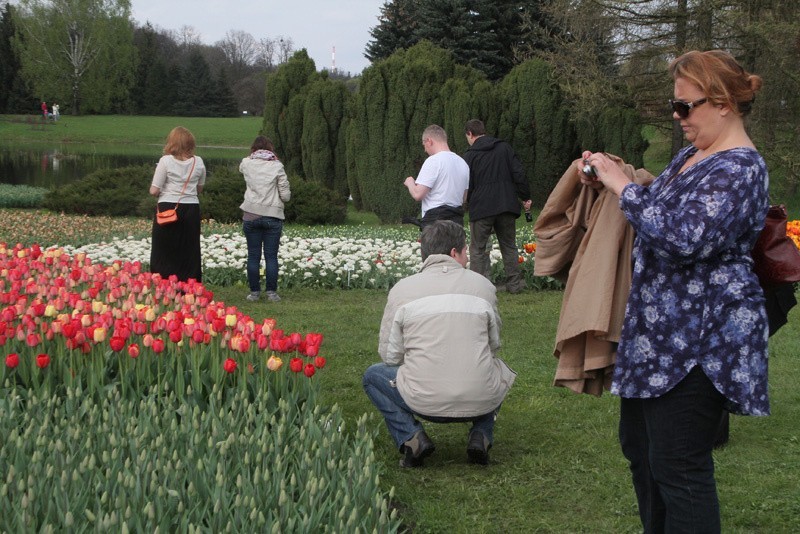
(113,192)
(313,203)
(223,194)
(21,196)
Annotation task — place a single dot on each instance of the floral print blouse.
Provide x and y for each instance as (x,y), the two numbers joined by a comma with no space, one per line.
(694,299)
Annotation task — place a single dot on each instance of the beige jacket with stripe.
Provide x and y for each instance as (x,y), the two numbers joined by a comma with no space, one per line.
(442,327)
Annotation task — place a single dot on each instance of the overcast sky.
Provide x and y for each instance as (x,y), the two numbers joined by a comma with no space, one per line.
(316,25)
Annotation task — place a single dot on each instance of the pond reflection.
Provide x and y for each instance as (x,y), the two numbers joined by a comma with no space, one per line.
(50,166)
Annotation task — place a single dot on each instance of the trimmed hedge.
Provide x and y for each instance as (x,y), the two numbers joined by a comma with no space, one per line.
(113,192)
(123,192)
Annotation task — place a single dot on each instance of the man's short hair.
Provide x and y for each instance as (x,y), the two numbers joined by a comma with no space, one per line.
(441,237)
(436,132)
(475,127)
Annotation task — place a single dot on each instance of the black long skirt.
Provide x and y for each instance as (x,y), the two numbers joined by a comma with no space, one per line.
(176,246)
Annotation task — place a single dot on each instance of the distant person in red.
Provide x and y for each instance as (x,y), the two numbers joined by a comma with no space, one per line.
(44,109)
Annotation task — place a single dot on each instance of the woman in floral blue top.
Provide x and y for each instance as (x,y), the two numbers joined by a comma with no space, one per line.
(694,341)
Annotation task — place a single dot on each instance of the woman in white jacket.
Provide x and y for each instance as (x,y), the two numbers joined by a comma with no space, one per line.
(267,190)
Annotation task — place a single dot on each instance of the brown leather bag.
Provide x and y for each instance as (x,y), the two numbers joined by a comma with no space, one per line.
(776,257)
(170,216)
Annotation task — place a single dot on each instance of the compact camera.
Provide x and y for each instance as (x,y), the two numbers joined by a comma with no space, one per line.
(528,216)
(588,169)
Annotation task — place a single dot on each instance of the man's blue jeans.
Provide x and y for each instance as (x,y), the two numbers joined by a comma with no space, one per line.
(669,441)
(380,385)
(263,233)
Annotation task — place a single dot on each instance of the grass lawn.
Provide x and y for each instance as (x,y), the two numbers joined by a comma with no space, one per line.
(556,464)
(128,129)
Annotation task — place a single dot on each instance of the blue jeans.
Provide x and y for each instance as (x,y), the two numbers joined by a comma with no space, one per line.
(668,441)
(263,233)
(380,385)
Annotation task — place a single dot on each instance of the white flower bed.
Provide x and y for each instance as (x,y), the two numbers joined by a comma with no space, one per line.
(310,257)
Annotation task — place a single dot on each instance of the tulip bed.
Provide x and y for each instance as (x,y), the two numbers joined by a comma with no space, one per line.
(333,258)
(132,402)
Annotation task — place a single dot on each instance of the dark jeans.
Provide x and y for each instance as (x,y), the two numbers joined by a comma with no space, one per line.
(263,233)
(668,441)
(504,226)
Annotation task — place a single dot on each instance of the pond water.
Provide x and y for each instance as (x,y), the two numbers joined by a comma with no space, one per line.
(51,165)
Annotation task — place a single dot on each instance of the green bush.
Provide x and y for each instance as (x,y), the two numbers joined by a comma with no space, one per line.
(313,203)
(223,194)
(21,196)
(112,192)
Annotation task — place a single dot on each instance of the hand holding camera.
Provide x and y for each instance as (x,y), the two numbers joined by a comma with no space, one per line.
(589,170)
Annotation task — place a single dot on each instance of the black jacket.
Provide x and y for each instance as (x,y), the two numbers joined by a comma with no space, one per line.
(497,180)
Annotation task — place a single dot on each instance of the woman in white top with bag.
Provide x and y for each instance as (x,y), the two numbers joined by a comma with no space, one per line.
(177,182)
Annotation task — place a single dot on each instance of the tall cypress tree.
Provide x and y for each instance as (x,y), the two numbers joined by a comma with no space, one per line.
(536,123)
(283,107)
(14,94)
(397,99)
(323,154)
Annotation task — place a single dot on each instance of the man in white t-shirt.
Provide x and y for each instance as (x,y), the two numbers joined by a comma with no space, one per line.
(442,182)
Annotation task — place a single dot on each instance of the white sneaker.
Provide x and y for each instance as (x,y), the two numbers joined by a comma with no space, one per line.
(253,296)
(272,296)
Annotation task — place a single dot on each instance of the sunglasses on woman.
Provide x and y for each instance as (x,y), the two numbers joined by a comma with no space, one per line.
(683,108)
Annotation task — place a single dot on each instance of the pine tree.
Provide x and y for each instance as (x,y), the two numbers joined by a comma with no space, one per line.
(223,103)
(396,29)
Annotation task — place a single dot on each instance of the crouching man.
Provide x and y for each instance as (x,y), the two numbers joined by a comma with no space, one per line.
(439,338)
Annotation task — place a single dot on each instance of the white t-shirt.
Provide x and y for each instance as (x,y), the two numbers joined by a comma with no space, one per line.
(171,174)
(447,175)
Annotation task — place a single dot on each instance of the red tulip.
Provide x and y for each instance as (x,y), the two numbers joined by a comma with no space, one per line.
(33,339)
(309,370)
(175,335)
(42,361)
(229,365)
(296,365)
(218,324)
(158,345)
(12,360)
(117,343)
(133,350)
(198,336)
(311,350)
(319,362)
(69,329)
(314,338)
(295,337)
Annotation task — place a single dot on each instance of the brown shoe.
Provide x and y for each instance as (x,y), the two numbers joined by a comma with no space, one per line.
(478,448)
(416,450)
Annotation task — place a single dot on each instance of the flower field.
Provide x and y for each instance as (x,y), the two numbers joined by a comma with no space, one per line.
(133,402)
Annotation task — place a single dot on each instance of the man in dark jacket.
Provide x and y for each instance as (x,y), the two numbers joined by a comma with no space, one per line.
(497,184)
